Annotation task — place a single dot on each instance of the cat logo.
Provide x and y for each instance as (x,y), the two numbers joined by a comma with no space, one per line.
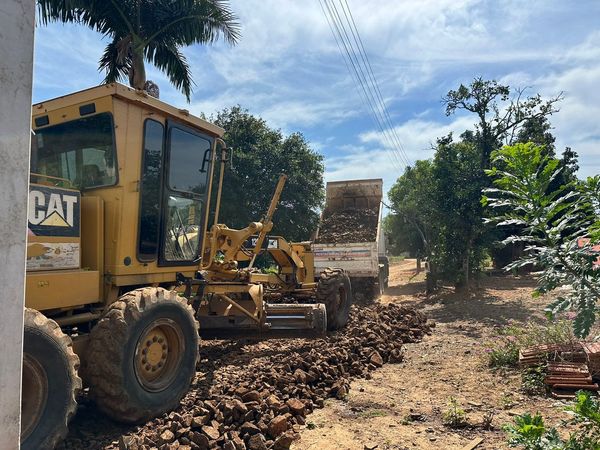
(53,211)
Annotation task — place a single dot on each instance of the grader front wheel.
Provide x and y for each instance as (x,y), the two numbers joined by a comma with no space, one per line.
(142,355)
(335,291)
(50,382)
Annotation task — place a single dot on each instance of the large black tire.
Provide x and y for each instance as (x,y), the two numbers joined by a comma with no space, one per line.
(335,291)
(50,383)
(142,355)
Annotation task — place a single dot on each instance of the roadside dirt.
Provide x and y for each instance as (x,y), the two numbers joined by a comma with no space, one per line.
(256,395)
(397,406)
(402,406)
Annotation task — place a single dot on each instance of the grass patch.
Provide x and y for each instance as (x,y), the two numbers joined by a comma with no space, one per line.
(373,413)
(503,351)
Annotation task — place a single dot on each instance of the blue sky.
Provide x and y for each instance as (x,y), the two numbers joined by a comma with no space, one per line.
(288,70)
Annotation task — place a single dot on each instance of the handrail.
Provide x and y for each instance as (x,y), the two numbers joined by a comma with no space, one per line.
(204,231)
(62,180)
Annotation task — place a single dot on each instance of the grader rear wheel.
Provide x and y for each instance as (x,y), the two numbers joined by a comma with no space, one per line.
(335,291)
(50,382)
(142,355)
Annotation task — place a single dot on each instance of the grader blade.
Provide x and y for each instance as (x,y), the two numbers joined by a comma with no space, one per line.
(302,319)
(281,321)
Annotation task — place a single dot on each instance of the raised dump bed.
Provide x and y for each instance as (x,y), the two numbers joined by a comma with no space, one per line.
(350,234)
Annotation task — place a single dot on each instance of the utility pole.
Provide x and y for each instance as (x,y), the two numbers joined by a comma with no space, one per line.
(17,18)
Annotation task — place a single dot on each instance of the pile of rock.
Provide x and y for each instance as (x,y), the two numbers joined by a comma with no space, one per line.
(350,225)
(257,396)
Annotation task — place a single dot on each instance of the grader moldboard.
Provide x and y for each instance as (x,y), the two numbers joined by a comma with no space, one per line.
(123,271)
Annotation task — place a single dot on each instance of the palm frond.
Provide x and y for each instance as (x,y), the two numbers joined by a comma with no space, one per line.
(114,61)
(190,22)
(170,60)
(58,11)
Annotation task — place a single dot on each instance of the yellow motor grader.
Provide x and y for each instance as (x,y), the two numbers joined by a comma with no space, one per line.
(127,261)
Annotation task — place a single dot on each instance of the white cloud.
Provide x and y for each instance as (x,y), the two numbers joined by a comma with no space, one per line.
(287,69)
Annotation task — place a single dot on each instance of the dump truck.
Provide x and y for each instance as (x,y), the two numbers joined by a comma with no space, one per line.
(128,263)
(350,234)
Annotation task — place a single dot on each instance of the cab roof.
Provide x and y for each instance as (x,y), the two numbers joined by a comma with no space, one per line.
(129,95)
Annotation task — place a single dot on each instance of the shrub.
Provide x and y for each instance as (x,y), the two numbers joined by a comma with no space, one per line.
(530,432)
(454,416)
(504,350)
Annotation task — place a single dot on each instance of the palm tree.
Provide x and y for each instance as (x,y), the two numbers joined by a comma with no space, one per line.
(148,30)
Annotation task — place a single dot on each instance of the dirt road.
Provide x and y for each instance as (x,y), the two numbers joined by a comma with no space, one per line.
(402,406)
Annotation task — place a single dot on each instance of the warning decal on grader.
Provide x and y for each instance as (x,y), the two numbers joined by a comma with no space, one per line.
(53,240)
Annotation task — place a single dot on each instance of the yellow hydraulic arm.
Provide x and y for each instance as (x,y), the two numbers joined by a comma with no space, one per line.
(267,220)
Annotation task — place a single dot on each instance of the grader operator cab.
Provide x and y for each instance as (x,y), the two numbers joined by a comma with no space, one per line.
(127,261)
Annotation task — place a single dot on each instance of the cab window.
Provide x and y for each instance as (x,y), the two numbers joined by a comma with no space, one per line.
(81,151)
(188,159)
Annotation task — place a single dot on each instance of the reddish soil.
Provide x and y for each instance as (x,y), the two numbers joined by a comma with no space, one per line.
(397,406)
(402,406)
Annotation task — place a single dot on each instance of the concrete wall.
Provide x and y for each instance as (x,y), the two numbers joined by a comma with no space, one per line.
(16,67)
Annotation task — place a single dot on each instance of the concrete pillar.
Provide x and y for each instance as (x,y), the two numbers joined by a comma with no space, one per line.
(16,67)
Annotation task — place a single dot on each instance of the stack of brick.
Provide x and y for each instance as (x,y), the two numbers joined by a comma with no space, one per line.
(570,367)
(592,352)
(565,378)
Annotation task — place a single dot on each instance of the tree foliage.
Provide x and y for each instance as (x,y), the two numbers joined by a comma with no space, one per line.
(147,30)
(260,155)
(447,214)
(502,114)
(439,198)
(550,224)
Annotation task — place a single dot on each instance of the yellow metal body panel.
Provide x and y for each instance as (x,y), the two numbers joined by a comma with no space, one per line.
(110,214)
(92,236)
(105,92)
(61,289)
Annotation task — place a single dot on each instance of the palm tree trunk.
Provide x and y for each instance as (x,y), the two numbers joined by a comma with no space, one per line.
(137,71)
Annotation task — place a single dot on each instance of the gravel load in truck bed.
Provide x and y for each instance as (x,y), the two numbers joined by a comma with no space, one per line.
(255,396)
(350,225)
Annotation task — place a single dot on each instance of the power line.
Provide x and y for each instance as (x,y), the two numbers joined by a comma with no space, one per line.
(352,69)
(362,79)
(363,74)
(373,79)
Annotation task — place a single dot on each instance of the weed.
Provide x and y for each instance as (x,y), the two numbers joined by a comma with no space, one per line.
(373,413)
(530,432)
(505,353)
(406,420)
(454,416)
(311,426)
(504,350)
(506,402)
(488,418)
(532,380)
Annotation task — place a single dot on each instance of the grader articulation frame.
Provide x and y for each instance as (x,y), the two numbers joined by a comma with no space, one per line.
(123,269)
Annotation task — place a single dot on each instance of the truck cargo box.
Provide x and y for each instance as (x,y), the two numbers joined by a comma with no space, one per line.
(350,234)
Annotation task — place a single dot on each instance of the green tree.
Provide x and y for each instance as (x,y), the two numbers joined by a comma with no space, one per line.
(411,200)
(458,183)
(502,114)
(260,155)
(440,199)
(551,224)
(147,30)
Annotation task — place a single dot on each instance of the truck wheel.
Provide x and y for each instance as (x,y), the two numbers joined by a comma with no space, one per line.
(335,291)
(50,382)
(142,355)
